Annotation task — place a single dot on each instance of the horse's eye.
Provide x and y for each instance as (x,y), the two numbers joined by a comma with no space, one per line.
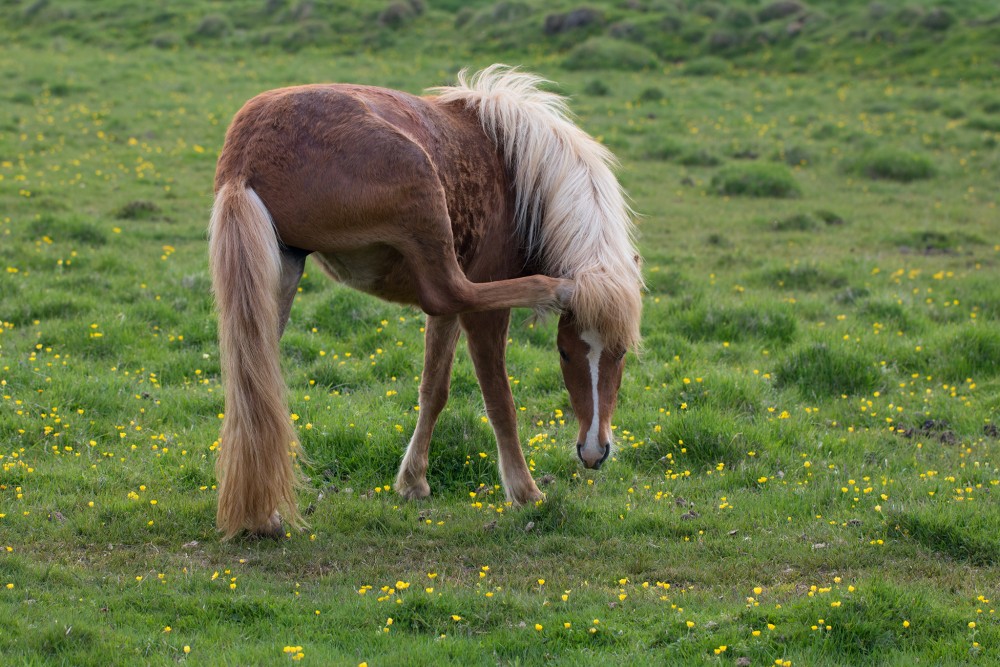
(620,356)
(562,353)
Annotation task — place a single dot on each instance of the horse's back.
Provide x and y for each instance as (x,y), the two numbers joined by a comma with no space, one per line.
(325,158)
(364,176)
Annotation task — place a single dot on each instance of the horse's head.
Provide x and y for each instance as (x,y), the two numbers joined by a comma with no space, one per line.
(593,373)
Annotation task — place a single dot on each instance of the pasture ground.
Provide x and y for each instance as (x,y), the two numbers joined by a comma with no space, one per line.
(807,470)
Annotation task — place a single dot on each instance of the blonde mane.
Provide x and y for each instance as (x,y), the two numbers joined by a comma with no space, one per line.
(570,209)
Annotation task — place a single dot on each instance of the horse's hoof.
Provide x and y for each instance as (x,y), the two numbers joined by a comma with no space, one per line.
(414,490)
(564,293)
(270,530)
(527,495)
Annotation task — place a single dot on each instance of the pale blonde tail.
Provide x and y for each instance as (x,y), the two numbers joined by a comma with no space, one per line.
(255,467)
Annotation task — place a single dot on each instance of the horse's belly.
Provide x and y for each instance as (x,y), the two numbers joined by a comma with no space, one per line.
(376,270)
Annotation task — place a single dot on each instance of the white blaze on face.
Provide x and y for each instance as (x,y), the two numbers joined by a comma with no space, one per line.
(591,447)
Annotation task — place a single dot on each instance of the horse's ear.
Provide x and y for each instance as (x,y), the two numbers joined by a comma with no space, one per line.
(638,260)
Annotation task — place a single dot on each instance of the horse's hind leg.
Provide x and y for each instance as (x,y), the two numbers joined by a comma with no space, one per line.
(487,334)
(444,289)
(440,338)
(293,264)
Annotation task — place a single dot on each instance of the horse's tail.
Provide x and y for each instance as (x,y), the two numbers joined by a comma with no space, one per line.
(255,468)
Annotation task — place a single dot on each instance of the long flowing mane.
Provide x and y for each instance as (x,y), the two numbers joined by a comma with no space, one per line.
(571,211)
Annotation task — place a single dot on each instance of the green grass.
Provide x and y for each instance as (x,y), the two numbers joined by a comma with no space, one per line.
(813,413)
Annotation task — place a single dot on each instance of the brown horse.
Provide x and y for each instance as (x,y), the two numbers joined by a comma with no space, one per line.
(469,202)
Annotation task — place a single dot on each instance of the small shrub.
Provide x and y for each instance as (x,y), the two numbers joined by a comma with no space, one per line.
(606,53)
(891,164)
(755,180)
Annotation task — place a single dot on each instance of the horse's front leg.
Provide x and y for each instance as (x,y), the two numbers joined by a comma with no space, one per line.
(441,335)
(487,335)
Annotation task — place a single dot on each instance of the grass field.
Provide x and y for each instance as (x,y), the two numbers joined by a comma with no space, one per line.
(807,470)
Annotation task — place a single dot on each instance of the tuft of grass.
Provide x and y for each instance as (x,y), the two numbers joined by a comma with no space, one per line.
(599,53)
(597,88)
(797,222)
(71,227)
(755,180)
(891,163)
(804,277)
(961,535)
(765,322)
(137,209)
(706,66)
(820,370)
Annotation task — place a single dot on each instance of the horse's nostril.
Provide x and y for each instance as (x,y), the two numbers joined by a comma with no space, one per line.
(607,453)
(579,450)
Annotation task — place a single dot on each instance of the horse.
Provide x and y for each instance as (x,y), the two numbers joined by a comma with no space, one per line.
(466,202)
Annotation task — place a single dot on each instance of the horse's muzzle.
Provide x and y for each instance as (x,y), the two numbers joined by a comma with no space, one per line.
(593,463)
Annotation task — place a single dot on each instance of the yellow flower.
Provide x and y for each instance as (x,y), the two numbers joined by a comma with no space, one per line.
(538,627)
